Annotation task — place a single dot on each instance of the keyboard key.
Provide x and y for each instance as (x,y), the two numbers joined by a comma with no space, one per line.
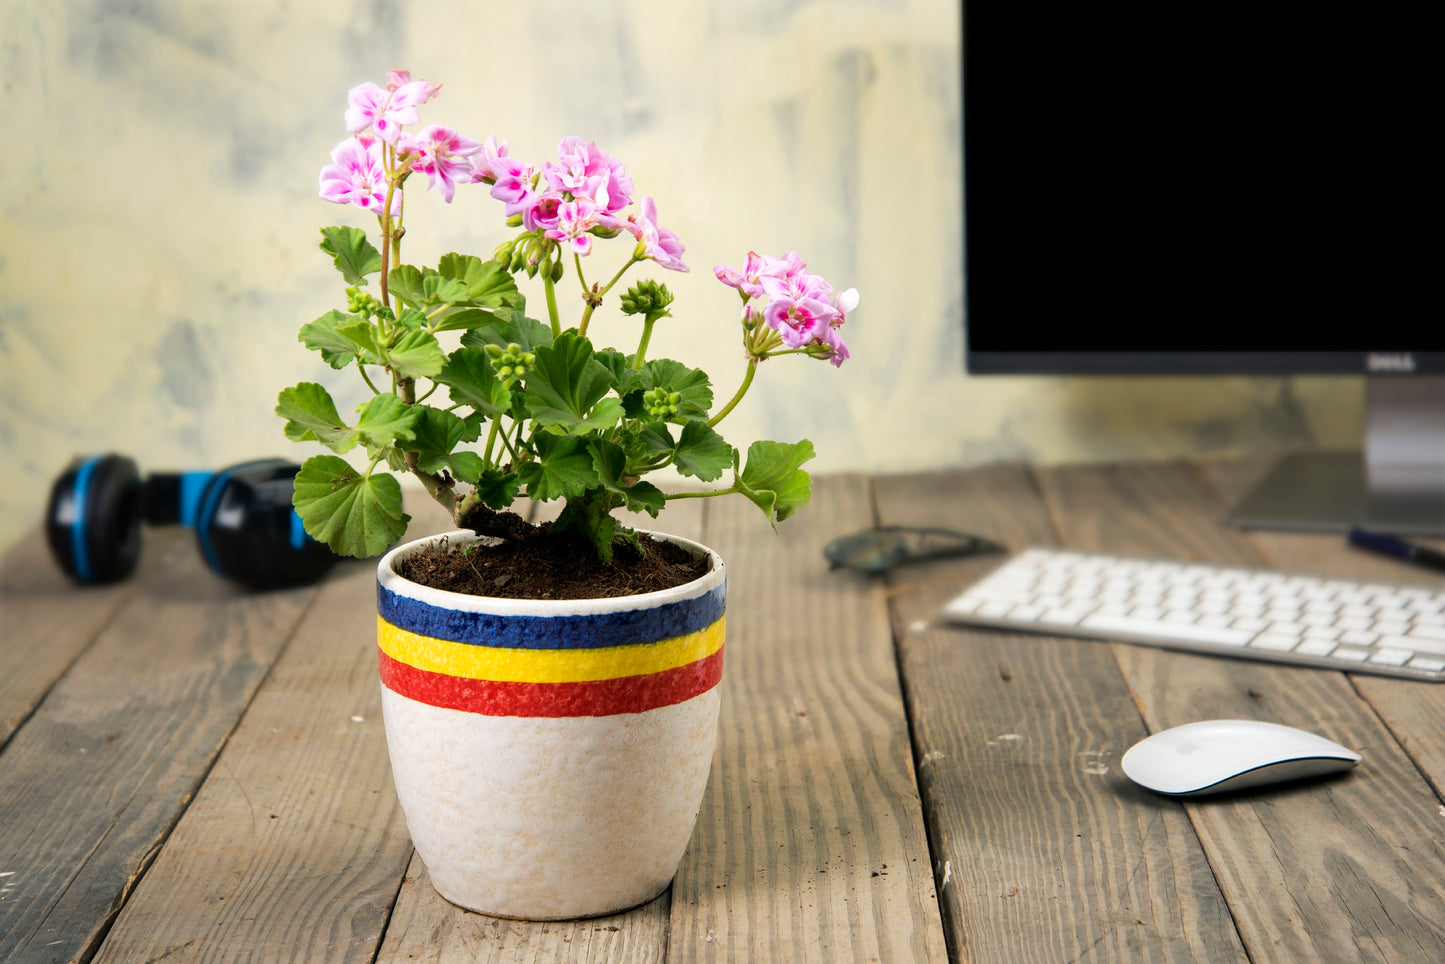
(1427,630)
(1061,617)
(1315,647)
(1391,657)
(1282,644)
(1417,643)
(1428,663)
(1353,655)
(1130,626)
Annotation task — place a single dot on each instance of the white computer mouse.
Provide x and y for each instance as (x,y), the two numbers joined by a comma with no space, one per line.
(1214,756)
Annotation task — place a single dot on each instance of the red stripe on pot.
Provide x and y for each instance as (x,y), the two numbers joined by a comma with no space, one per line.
(608,697)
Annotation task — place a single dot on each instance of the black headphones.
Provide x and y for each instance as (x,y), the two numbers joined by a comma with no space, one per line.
(245,526)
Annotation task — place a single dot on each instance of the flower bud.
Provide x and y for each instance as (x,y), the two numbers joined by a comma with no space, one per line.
(646,298)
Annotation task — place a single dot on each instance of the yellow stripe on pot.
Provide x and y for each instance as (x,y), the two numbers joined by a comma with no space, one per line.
(546,665)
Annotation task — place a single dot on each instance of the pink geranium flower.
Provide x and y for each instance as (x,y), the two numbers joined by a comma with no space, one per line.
(397,79)
(484,161)
(356,176)
(584,170)
(758,267)
(386,111)
(799,321)
(661,244)
(541,211)
(574,220)
(442,155)
(512,183)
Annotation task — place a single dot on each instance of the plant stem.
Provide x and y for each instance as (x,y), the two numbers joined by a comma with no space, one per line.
(647,324)
(708,494)
(742,390)
(492,439)
(594,298)
(362,368)
(551,302)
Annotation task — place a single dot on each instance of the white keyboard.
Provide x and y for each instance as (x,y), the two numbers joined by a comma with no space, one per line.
(1390,630)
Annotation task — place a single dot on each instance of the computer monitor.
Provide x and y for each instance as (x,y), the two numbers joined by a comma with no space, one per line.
(1219,188)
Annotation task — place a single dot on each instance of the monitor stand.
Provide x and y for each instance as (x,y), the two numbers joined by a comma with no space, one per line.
(1397,485)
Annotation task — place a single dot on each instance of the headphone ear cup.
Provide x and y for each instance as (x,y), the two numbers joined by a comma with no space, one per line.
(93,519)
(246,531)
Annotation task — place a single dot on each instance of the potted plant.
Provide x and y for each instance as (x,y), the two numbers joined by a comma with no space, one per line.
(550,754)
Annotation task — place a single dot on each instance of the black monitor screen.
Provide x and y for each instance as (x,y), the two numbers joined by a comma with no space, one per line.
(1223,186)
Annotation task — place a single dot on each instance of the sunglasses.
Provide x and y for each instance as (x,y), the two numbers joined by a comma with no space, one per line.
(888,547)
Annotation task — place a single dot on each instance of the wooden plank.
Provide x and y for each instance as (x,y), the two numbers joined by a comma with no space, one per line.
(1414,712)
(424,927)
(1044,850)
(96,778)
(46,621)
(1333,870)
(810,845)
(295,844)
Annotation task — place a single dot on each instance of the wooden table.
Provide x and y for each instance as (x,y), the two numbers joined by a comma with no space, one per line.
(190,772)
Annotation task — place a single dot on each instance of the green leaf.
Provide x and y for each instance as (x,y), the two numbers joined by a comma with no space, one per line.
(460,319)
(355,257)
(409,284)
(691,383)
(471,380)
(610,461)
(416,355)
(484,284)
(566,390)
(497,488)
(701,452)
(516,329)
(384,419)
(625,379)
(773,480)
(412,319)
(362,335)
(563,468)
(311,416)
(354,514)
(438,432)
(337,350)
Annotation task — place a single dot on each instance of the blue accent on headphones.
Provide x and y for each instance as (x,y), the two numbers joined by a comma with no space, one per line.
(214,486)
(193,484)
(299,535)
(81,554)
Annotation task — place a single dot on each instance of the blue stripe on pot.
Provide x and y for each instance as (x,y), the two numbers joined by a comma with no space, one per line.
(554,632)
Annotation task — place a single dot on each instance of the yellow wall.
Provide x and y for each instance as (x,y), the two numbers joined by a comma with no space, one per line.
(159,221)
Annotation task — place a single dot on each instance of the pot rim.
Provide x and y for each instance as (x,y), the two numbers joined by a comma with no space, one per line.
(388,579)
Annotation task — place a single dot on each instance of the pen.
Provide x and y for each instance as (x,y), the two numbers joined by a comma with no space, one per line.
(1399,548)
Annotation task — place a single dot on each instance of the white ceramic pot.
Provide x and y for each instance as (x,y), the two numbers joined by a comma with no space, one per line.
(551,755)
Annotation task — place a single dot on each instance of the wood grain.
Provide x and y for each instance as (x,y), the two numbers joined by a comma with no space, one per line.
(46,621)
(1338,870)
(295,845)
(1043,849)
(425,927)
(810,845)
(95,779)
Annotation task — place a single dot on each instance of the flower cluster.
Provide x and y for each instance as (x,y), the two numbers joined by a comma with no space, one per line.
(552,416)
(582,195)
(783,303)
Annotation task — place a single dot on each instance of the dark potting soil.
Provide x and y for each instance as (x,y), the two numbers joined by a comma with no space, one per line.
(551,568)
